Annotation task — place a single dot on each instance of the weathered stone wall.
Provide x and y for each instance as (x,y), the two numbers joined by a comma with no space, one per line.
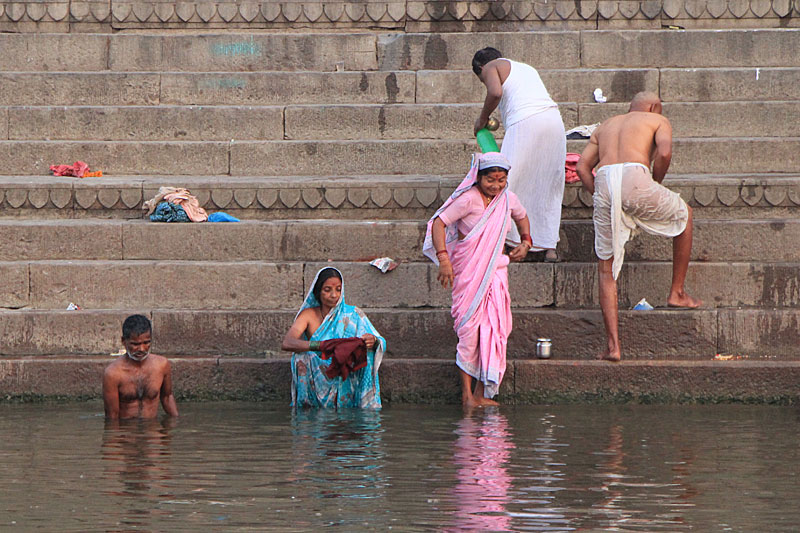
(438,16)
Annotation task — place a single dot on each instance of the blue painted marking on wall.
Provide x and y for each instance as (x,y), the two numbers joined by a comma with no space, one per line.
(242,48)
(224,83)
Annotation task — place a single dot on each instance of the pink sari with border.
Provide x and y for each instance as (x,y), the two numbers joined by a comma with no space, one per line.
(481,301)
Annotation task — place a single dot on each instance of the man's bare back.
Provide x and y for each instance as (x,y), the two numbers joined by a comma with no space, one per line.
(642,135)
(629,138)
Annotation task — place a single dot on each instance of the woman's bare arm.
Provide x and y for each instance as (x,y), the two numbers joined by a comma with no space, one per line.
(293,341)
(445,275)
(520,251)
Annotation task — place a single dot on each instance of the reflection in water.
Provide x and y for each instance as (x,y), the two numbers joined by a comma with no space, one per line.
(538,488)
(650,499)
(137,453)
(481,453)
(338,455)
(256,467)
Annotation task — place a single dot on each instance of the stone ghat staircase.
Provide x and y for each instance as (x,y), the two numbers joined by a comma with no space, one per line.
(334,148)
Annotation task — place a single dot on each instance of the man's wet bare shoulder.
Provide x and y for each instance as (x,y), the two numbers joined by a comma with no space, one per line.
(119,369)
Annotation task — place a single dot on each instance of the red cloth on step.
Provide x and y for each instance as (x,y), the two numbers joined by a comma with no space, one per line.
(346,355)
(570,165)
(77,170)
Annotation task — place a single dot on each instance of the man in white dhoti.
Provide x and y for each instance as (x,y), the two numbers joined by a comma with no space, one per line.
(534,143)
(627,198)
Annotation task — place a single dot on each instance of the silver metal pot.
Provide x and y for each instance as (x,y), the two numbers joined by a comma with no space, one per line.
(543,347)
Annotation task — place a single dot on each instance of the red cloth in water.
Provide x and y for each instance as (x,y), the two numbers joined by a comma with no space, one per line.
(78,169)
(346,355)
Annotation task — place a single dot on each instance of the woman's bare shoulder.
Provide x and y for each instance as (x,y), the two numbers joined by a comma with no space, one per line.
(307,313)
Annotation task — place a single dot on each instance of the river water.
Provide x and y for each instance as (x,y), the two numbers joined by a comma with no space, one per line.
(260,467)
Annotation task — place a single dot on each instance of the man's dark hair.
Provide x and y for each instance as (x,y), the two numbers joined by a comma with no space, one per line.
(324,275)
(482,57)
(135,325)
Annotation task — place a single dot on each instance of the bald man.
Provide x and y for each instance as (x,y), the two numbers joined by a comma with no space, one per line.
(628,198)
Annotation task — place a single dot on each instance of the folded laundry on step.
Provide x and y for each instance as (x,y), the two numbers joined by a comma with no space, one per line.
(581,132)
(178,196)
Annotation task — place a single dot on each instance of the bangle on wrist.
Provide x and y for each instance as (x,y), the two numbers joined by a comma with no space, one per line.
(313,346)
(526,238)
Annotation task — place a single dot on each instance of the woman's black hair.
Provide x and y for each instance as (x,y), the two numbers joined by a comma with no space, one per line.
(482,57)
(487,170)
(324,275)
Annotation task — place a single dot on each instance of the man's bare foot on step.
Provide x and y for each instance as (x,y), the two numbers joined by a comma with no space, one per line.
(682,299)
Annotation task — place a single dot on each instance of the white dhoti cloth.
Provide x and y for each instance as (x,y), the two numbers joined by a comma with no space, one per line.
(536,147)
(625,199)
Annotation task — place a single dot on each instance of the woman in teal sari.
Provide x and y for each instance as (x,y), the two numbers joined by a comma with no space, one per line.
(324,316)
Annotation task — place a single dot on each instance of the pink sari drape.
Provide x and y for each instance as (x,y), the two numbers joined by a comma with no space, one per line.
(481,302)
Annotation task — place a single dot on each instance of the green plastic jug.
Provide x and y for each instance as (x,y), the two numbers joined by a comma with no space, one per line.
(486,141)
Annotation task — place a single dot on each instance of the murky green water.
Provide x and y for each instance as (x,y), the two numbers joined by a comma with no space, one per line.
(257,467)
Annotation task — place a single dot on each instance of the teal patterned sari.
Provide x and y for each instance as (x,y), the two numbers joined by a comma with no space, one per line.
(311,387)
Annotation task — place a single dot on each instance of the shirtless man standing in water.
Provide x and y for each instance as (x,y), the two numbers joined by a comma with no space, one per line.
(133,384)
(627,198)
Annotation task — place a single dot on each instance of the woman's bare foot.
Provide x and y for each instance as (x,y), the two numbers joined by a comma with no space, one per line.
(469,402)
(681,299)
(485,402)
(614,357)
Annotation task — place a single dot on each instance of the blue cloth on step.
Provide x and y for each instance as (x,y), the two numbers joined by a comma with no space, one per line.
(221,216)
(169,212)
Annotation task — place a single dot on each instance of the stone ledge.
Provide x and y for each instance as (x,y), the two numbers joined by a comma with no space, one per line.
(404,197)
(435,381)
(750,334)
(119,14)
(324,239)
(270,283)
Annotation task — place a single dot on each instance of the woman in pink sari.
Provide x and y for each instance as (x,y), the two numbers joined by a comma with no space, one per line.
(466,238)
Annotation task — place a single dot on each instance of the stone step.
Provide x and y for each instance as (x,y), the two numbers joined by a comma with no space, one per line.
(594,49)
(434,381)
(290,240)
(385,87)
(711,119)
(364,157)
(206,88)
(143,123)
(223,51)
(209,284)
(367,196)
(356,122)
(768,241)
(454,121)
(421,334)
(732,48)
(620,85)
(713,240)
(306,51)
